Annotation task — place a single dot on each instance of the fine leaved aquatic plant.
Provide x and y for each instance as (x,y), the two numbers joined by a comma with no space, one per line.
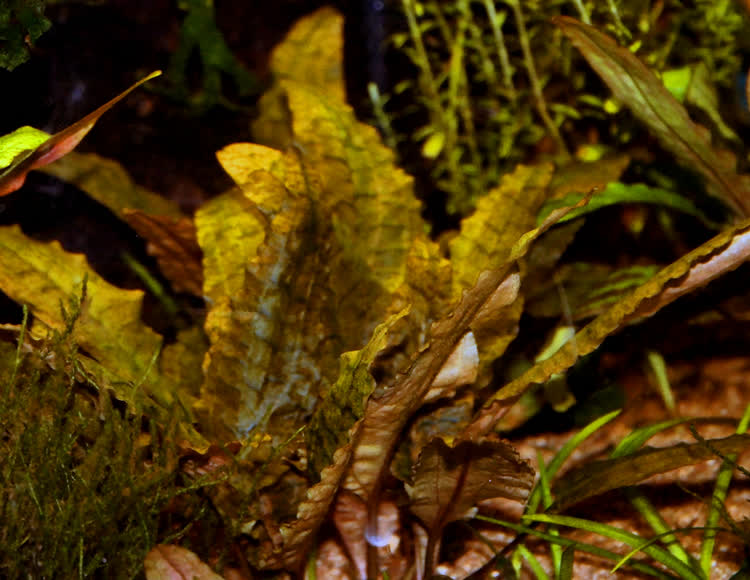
(344,365)
(493,80)
(82,485)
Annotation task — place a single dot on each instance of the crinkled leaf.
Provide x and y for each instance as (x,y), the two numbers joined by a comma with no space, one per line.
(370,201)
(298,534)
(333,225)
(386,416)
(174,244)
(601,476)
(13,176)
(258,360)
(312,53)
(719,255)
(167,562)
(229,234)
(501,217)
(486,240)
(627,193)
(634,84)
(448,482)
(107,182)
(46,277)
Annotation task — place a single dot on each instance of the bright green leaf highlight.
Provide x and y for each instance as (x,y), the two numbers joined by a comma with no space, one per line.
(20,140)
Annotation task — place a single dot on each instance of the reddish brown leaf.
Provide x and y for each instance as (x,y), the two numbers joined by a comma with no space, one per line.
(58,144)
(450,481)
(174,244)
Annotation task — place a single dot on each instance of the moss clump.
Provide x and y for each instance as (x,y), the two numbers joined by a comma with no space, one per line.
(82,483)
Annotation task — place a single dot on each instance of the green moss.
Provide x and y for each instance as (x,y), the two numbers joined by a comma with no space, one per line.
(82,484)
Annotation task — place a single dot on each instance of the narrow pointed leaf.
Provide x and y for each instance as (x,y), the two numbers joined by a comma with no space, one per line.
(617,192)
(634,84)
(598,477)
(582,176)
(59,144)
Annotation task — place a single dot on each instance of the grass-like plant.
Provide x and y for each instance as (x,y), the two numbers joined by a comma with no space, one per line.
(669,558)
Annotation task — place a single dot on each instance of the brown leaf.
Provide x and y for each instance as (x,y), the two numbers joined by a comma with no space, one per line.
(57,145)
(633,83)
(386,416)
(598,477)
(450,481)
(174,244)
(166,562)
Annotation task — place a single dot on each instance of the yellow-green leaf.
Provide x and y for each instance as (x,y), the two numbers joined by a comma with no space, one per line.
(229,234)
